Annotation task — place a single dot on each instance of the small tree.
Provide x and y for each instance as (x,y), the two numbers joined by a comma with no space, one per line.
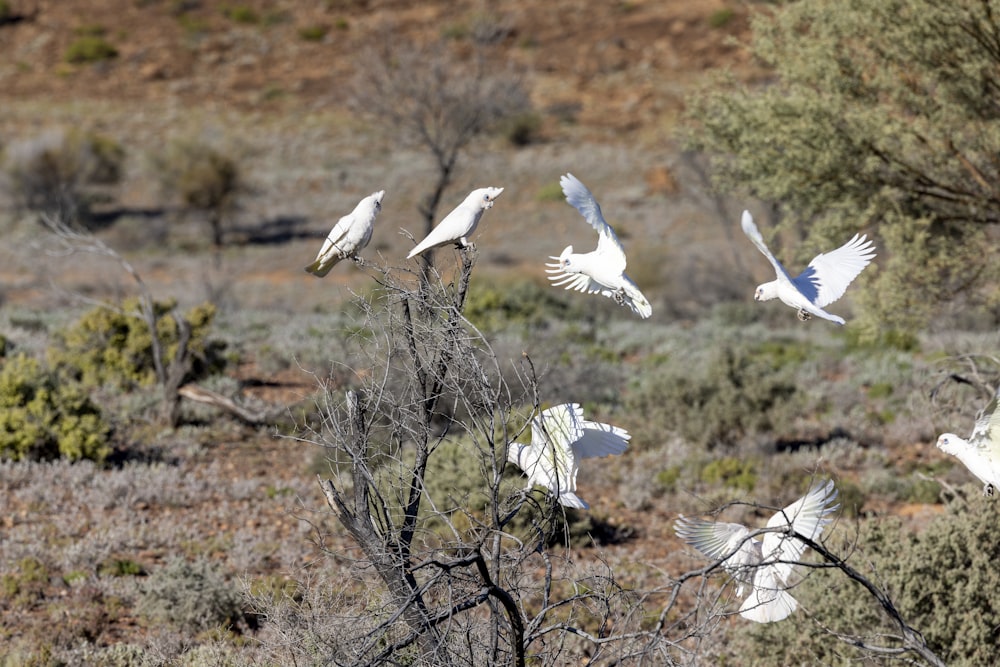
(204,179)
(879,115)
(431,97)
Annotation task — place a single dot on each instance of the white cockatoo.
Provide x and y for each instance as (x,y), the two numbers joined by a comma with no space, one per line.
(560,437)
(602,270)
(764,563)
(981,452)
(458,225)
(824,281)
(349,236)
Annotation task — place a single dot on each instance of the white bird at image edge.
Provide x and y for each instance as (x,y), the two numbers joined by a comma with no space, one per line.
(981,452)
(458,225)
(824,281)
(560,437)
(764,565)
(349,236)
(601,270)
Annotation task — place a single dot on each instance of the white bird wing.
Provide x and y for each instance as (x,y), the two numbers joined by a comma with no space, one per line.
(727,542)
(826,278)
(608,246)
(349,236)
(985,439)
(552,434)
(752,233)
(807,516)
(598,439)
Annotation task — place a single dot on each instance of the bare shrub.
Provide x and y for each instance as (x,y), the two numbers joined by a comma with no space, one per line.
(61,172)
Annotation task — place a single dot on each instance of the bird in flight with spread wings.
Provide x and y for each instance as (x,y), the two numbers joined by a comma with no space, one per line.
(981,452)
(560,437)
(458,225)
(824,281)
(349,236)
(602,270)
(763,561)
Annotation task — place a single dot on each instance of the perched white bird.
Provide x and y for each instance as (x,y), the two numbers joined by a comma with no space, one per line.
(981,452)
(560,437)
(458,225)
(824,281)
(602,270)
(764,564)
(349,236)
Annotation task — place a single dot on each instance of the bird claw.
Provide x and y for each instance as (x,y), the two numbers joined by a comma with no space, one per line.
(619,297)
(804,316)
(988,490)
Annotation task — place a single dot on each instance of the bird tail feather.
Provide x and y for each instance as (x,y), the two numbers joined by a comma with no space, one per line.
(317,268)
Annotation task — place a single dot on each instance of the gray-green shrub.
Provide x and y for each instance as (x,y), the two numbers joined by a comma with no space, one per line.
(193,596)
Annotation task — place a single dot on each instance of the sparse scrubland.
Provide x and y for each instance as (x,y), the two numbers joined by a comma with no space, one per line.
(209,457)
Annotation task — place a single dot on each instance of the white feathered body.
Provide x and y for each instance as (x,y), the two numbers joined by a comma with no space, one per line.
(824,281)
(601,271)
(458,225)
(560,437)
(349,236)
(765,564)
(981,452)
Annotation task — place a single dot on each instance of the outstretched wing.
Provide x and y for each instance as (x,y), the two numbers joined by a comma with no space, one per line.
(598,439)
(552,433)
(985,436)
(608,245)
(727,542)
(807,516)
(752,233)
(826,278)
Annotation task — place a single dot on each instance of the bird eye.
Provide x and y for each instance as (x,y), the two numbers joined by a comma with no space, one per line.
(486,197)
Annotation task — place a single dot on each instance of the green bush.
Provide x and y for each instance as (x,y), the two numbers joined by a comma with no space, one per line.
(738,392)
(192,596)
(44,417)
(732,472)
(313,33)
(242,14)
(109,346)
(524,304)
(89,49)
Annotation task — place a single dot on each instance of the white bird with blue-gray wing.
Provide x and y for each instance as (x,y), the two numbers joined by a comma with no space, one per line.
(458,225)
(602,270)
(981,452)
(824,281)
(349,236)
(560,437)
(763,561)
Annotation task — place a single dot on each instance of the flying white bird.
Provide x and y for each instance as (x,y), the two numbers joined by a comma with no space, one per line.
(560,437)
(602,270)
(764,565)
(824,281)
(349,236)
(981,452)
(458,225)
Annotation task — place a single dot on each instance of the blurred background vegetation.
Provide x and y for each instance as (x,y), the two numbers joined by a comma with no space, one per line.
(212,145)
